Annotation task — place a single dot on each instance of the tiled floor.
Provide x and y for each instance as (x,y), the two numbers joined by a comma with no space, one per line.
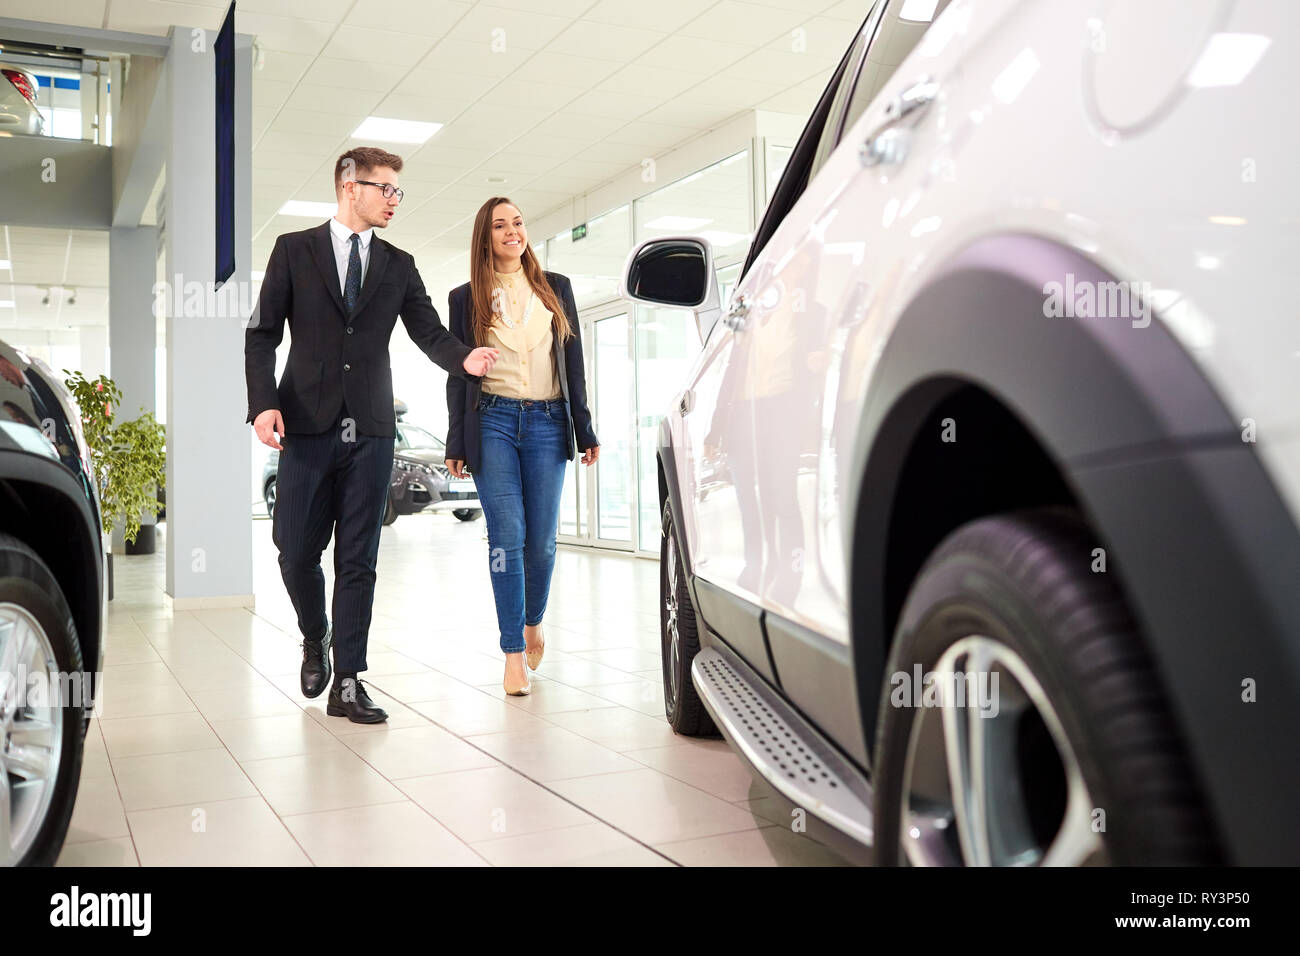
(207,754)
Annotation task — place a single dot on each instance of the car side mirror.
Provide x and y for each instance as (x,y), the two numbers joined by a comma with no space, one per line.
(677,272)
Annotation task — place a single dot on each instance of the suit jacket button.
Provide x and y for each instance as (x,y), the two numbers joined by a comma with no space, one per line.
(349,330)
(347,368)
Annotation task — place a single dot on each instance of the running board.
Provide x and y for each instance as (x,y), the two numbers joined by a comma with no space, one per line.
(782,747)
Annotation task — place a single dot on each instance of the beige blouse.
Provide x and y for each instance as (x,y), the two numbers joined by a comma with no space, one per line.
(526,366)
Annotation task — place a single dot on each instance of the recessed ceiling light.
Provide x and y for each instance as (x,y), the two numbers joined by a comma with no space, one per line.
(7,304)
(313,210)
(4,264)
(684,223)
(496,179)
(395,130)
(1228,220)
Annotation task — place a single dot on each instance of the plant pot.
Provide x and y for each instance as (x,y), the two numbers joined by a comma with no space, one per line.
(145,542)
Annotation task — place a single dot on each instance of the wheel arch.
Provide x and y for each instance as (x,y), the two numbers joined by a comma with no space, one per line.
(1139,441)
(37,495)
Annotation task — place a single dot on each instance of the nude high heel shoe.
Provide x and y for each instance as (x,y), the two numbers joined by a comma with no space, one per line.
(534,658)
(516,690)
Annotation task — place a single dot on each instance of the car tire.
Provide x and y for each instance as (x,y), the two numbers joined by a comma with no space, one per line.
(390,511)
(679,640)
(1081,759)
(268,496)
(467,514)
(30,599)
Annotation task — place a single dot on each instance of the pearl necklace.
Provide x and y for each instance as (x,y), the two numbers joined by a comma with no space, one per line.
(506,319)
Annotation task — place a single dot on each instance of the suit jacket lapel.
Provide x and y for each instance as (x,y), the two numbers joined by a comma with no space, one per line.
(323,252)
(374,271)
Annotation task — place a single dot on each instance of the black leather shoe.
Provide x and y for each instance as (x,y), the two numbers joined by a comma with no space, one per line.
(315,674)
(349,699)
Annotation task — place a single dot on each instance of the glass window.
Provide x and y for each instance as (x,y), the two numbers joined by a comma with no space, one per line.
(594,262)
(666,345)
(714,203)
(895,39)
(613,414)
(777,158)
(412,436)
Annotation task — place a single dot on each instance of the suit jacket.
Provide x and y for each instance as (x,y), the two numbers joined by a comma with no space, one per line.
(333,356)
(463,437)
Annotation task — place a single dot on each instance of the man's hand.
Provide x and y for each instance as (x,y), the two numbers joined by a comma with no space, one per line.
(590,455)
(268,425)
(480,361)
(457,467)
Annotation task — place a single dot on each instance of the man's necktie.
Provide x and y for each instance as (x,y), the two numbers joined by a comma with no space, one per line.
(352,284)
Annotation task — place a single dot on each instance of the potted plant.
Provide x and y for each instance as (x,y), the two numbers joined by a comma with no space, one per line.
(127,458)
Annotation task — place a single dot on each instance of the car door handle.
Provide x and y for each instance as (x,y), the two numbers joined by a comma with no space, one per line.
(888,143)
(734,318)
(687,402)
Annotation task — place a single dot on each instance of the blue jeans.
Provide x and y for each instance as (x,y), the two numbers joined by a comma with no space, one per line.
(520,480)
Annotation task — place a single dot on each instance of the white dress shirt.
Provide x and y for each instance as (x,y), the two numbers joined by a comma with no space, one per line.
(342,238)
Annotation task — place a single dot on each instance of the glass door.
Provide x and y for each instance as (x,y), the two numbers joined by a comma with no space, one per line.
(599,503)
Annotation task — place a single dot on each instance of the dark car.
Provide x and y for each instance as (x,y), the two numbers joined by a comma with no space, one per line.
(51,607)
(420,481)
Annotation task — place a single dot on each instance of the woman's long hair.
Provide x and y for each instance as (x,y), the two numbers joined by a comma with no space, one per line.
(482,280)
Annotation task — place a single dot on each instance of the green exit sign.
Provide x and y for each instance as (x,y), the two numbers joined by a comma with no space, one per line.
(579,232)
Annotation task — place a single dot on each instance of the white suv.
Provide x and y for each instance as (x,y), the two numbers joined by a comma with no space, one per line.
(1000,434)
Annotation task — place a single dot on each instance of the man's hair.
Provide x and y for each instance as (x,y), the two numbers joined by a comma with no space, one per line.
(358,162)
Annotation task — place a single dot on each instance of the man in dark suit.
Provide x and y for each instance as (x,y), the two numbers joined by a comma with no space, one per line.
(341,289)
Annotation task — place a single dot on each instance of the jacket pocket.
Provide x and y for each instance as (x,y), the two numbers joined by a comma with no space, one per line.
(380,382)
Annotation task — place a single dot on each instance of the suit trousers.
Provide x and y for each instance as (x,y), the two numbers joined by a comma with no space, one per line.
(335,483)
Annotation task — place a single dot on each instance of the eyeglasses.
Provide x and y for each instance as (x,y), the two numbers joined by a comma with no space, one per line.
(389,189)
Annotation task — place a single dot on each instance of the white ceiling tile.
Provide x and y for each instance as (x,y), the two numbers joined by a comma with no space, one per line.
(662,16)
(388,46)
(743,22)
(425,17)
(462,57)
(357,74)
(605,41)
(309,96)
(565,69)
(494,27)
(694,54)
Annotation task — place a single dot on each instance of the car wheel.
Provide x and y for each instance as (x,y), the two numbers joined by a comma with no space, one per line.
(269,496)
(390,512)
(1063,751)
(679,639)
(40,734)
(467,514)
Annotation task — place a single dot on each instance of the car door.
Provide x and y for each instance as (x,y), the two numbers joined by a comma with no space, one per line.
(808,289)
(719,468)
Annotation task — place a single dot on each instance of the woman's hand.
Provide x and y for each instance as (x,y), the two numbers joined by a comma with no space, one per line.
(457,467)
(590,455)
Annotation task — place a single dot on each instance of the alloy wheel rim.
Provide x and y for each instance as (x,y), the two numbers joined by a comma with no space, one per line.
(671,627)
(994,785)
(30,735)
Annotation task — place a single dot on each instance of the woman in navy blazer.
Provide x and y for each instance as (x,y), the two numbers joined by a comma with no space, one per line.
(516,427)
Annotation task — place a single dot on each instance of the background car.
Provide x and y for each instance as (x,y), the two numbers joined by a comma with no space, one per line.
(420,481)
(51,607)
(1037,333)
(18,112)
